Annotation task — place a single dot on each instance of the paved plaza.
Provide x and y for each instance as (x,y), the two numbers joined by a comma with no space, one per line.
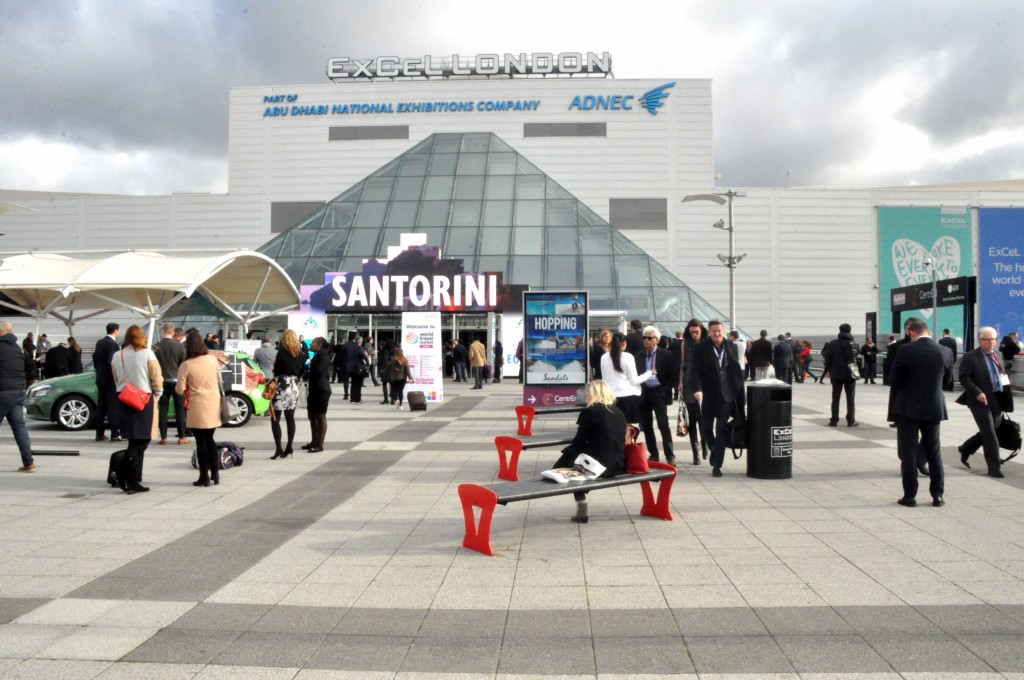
(348,563)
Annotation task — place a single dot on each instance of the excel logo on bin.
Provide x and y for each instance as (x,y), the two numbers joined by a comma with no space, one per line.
(782,442)
(651,101)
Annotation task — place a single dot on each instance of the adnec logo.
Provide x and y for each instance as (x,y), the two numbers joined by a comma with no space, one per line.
(652,100)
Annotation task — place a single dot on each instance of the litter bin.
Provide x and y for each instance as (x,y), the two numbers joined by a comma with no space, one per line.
(769,430)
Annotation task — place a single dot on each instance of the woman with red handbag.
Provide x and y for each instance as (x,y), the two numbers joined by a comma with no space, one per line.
(138,380)
(601,434)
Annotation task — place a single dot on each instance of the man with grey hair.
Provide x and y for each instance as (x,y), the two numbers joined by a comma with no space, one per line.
(14,369)
(656,392)
(987,393)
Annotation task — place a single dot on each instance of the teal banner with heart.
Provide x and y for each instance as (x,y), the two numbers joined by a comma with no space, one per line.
(912,242)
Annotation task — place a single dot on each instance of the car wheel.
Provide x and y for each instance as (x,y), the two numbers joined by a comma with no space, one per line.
(245,409)
(74,412)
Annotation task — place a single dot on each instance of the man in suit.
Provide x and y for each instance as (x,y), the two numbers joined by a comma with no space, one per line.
(107,405)
(837,356)
(717,382)
(782,360)
(761,356)
(987,394)
(635,337)
(918,405)
(656,392)
(949,343)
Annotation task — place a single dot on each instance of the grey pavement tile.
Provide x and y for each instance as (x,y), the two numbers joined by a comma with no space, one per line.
(971,620)
(803,621)
(547,656)
(54,669)
(15,607)
(285,650)
(386,622)
(926,653)
(887,620)
(182,646)
(452,655)
(360,653)
(718,622)
(289,619)
(642,656)
(737,654)
(21,641)
(463,623)
(221,617)
(559,623)
(630,623)
(831,653)
(1002,652)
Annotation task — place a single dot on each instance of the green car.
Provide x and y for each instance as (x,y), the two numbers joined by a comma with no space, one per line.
(70,401)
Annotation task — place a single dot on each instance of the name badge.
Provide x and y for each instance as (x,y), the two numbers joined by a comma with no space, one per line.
(1004,380)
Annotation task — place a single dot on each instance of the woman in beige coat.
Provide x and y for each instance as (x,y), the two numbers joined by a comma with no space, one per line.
(199,380)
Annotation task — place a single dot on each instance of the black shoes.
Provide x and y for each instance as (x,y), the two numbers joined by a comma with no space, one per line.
(384,402)
(938,502)
(716,472)
(277,454)
(307,447)
(287,452)
(997,474)
(833,423)
(201,482)
(853,424)
(315,449)
(963,457)
(136,488)
(671,460)
(909,502)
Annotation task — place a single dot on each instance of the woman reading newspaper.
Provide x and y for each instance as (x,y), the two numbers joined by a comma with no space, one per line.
(601,434)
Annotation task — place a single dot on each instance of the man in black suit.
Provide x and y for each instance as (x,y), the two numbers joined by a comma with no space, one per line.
(782,360)
(635,337)
(761,356)
(949,343)
(107,405)
(987,394)
(656,393)
(918,405)
(717,382)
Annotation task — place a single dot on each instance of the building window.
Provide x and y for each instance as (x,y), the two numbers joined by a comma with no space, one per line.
(356,133)
(638,213)
(565,129)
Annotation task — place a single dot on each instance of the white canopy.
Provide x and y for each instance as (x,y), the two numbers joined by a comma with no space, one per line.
(244,285)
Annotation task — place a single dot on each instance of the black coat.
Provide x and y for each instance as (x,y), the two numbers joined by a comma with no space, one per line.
(782,357)
(664,363)
(975,378)
(950,344)
(838,355)
(704,376)
(600,433)
(635,342)
(106,348)
(57,362)
(920,370)
(761,353)
(320,372)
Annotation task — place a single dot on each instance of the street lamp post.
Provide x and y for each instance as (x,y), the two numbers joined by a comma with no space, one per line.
(732,259)
(935,294)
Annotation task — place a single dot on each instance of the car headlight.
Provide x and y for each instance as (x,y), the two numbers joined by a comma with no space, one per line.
(38,391)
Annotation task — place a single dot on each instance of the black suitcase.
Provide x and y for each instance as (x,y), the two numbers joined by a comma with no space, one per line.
(417,401)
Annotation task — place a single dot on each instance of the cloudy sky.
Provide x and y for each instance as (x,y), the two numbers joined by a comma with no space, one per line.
(119,96)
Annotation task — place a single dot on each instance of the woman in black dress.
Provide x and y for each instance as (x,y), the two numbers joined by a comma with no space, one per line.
(319,392)
(288,366)
(601,434)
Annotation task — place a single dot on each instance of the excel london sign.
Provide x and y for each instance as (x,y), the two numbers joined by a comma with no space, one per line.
(342,69)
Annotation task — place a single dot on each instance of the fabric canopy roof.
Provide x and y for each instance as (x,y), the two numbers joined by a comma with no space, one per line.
(242,285)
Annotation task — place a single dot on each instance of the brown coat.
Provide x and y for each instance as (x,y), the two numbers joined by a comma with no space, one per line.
(200,376)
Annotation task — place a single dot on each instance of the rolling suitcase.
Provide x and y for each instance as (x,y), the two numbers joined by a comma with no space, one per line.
(417,401)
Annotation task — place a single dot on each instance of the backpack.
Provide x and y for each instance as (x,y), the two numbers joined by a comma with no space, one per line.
(230,455)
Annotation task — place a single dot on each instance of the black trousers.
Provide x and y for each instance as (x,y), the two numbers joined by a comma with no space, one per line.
(655,407)
(356,388)
(838,387)
(108,407)
(915,438)
(179,409)
(986,438)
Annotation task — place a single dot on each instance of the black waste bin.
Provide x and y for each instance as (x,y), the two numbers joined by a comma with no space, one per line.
(769,430)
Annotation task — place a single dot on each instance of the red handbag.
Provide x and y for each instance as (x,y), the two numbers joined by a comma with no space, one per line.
(133,396)
(636,454)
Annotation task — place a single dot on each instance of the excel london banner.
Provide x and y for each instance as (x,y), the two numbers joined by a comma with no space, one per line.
(554,348)
(911,237)
(1001,269)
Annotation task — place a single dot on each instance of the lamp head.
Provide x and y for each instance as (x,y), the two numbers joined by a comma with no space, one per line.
(720,224)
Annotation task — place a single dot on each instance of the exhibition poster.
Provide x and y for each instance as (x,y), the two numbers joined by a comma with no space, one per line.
(421,343)
(555,347)
(1001,269)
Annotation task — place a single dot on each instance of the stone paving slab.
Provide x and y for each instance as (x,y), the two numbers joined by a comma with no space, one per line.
(348,564)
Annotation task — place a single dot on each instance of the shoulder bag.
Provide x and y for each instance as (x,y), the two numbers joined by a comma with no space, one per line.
(636,453)
(229,409)
(132,396)
(1008,434)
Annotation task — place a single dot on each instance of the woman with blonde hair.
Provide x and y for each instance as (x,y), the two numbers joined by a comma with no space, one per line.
(199,378)
(138,365)
(601,434)
(288,366)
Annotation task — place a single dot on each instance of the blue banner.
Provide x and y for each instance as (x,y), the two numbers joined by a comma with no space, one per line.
(1001,269)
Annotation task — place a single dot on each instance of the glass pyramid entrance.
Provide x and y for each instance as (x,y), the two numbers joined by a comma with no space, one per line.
(483,202)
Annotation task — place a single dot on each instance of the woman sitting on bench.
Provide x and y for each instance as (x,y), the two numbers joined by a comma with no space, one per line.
(600,433)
